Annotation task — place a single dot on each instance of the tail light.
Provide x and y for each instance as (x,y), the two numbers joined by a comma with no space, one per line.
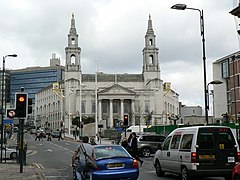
(135,163)
(98,168)
(193,157)
(238,155)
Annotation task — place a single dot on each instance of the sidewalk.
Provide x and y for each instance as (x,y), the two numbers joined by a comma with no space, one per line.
(11,170)
(103,141)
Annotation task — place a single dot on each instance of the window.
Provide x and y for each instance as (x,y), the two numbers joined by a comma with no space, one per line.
(225,73)
(226,141)
(175,141)
(73,59)
(93,107)
(147,106)
(83,106)
(116,105)
(206,140)
(166,143)
(186,141)
(105,106)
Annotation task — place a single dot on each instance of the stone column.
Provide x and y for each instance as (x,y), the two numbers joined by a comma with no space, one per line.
(111,113)
(122,109)
(99,110)
(133,112)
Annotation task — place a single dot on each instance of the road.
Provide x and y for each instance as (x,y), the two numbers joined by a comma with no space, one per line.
(54,160)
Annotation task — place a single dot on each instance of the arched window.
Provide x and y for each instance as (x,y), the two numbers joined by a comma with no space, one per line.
(73,59)
(72,41)
(150,60)
(150,42)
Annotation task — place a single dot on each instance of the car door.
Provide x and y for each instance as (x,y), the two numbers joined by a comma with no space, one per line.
(173,154)
(163,156)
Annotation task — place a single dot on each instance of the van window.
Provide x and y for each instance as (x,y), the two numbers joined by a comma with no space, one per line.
(206,140)
(186,141)
(226,141)
(166,143)
(175,141)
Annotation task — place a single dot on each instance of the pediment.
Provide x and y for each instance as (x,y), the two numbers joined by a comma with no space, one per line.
(116,89)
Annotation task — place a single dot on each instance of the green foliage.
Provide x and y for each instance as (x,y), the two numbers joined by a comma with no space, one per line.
(85,120)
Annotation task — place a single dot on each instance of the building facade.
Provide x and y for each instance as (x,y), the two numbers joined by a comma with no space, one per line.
(108,97)
(226,96)
(34,79)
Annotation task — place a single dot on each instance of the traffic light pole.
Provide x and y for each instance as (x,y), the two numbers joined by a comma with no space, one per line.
(21,145)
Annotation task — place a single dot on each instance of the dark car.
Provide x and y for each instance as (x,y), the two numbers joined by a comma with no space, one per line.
(55,134)
(148,144)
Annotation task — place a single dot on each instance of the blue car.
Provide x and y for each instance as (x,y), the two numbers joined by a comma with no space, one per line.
(114,162)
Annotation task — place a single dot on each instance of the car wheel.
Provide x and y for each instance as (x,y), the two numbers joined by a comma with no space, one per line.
(13,155)
(184,174)
(236,177)
(146,151)
(158,168)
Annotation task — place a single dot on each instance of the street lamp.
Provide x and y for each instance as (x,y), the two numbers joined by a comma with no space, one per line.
(212,82)
(3,92)
(183,7)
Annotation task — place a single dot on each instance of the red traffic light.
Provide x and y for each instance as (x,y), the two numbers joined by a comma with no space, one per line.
(125,120)
(21,99)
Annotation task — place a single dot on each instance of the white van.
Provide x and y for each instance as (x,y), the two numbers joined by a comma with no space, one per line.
(137,129)
(198,151)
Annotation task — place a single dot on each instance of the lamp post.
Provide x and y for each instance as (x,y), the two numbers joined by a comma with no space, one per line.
(212,82)
(3,92)
(96,101)
(183,7)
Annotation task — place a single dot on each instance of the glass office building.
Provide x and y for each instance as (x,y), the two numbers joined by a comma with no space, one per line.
(33,79)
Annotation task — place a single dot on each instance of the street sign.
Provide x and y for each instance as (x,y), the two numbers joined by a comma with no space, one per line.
(7,121)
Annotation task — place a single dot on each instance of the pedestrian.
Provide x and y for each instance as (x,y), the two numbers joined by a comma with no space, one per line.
(74,133)
(134,147)
(125,144)
(37,135)
(92,141)
(60,135)
(49,136)
(83,151)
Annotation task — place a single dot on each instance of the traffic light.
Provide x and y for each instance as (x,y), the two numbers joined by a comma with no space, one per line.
(125,120)
(21,105)
(29,105)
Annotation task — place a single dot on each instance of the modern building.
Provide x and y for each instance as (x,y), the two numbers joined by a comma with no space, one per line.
(226,96)
(34,79)
(108,97)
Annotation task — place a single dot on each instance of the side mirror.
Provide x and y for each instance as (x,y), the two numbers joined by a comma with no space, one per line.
(159,147)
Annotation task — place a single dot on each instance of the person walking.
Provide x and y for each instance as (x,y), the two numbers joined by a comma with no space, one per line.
(60,135)
(134,147)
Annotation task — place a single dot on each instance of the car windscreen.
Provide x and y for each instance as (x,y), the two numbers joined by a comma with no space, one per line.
(109,152)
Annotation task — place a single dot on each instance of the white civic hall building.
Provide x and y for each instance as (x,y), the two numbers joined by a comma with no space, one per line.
(108,97)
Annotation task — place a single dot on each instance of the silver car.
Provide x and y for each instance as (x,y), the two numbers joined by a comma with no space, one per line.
(9,153)
(148,144)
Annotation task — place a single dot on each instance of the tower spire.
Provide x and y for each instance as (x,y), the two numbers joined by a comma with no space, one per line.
(150,28)
(73,30)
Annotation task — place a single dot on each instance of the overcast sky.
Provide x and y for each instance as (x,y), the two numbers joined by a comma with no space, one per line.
(112,32)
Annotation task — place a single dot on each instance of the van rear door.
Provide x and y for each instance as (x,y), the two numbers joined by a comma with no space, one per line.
(216,148)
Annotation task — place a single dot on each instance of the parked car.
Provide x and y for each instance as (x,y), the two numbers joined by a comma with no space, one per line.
(55,134)
(114,162)
(236,172)
(33,131)
(198,151)
(10,153)
(148,144)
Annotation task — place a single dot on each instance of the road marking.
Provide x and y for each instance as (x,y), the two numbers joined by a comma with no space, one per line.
(67,144)
(49,150)
(39,166)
